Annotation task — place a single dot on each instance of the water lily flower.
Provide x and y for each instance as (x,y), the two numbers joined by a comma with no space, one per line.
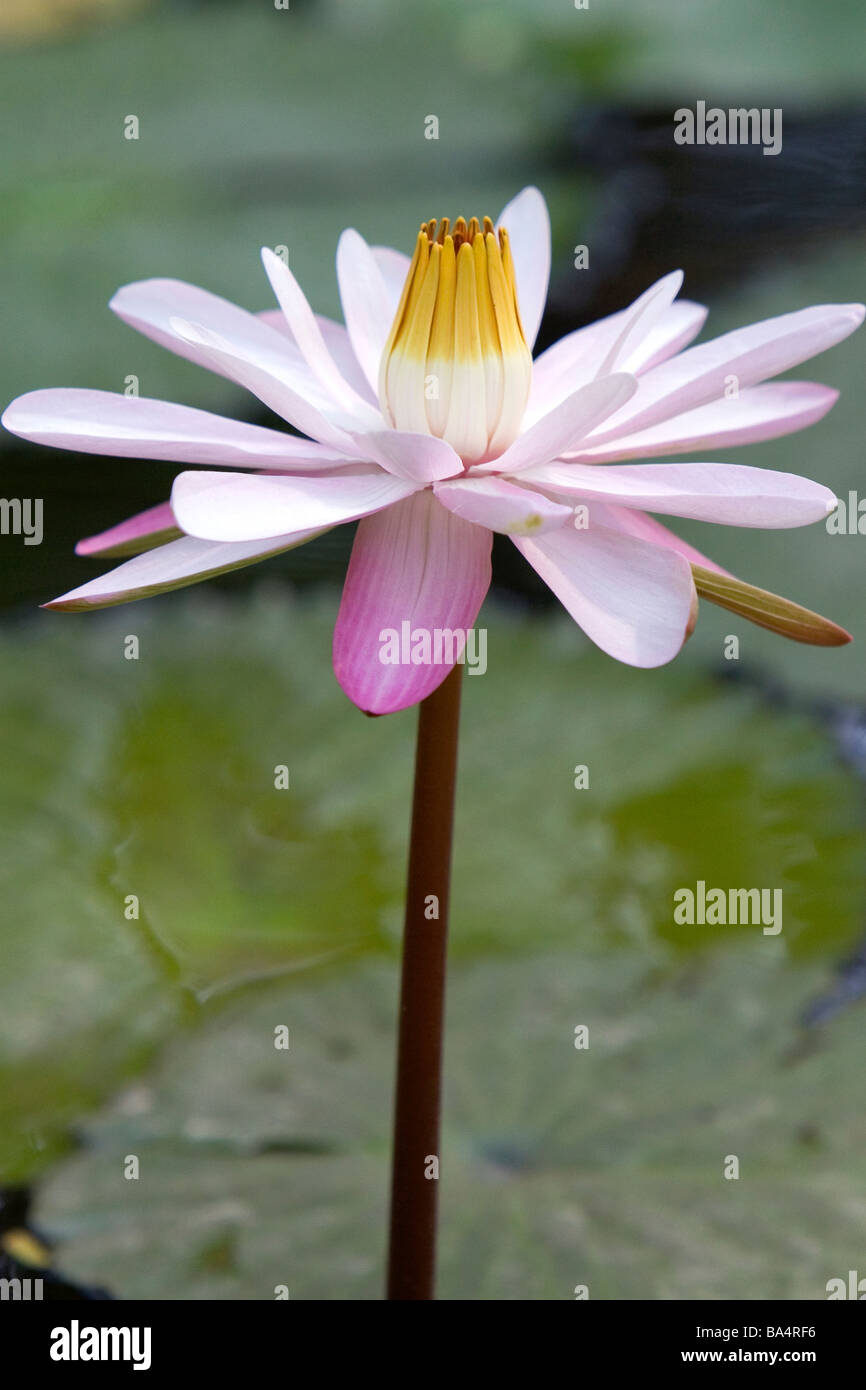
(427,421)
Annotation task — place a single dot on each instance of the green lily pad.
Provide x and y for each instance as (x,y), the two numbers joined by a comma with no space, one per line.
(603,1167)
(82,1002)
(154,780)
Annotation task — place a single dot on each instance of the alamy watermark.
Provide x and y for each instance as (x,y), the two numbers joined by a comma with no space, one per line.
(22,516)
(852,1287)
(716,907)
(848,518)
(739,125)
(77,1343)
(438,646)
(20,1290)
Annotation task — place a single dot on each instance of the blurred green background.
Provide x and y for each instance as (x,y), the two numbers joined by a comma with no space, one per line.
(258,908)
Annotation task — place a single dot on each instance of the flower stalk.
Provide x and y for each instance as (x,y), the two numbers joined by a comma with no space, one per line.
(415,1163)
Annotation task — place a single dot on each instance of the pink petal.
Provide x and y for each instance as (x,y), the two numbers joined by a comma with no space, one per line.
(415,563)
(502,506)
(565,426)
(573,361)
(250,507)
(103,422)
(307,334)
(367,305)
(748,355)
(729,494)
(152,306)
(632,599)
(173,566)
(154,527)
(527,222)
(338,344)
(759,412)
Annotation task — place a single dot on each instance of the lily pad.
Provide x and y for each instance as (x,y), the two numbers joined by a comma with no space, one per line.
(609,1167)
(147,786)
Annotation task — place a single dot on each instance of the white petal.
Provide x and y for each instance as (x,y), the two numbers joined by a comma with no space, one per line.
(367,304)
(308,336)
(674,330)
(273,382)
(394,267)
(103,422)
(567,424)
(760,412)
(246,507)
(502,506)
(173,566)
(527,222)
(338,343)
(640,320)
(734,361)
(647,528)
(726,493)
(633,599)
(649,331)
(422,458)
(152,306)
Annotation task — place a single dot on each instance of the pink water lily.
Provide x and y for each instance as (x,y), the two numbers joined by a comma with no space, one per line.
(428,423)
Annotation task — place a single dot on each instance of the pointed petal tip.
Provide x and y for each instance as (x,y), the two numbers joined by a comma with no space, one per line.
(116,302)
(830,634)
(852,309)
(529,192)
(350,242)
(67,604)
(853,312)
(268,258)
(273,264)
(768,610)
(60,605)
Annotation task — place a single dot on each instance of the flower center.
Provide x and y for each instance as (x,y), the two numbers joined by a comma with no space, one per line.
(456,362)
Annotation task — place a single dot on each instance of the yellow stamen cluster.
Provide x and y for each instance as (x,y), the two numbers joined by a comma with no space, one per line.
(456,363)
